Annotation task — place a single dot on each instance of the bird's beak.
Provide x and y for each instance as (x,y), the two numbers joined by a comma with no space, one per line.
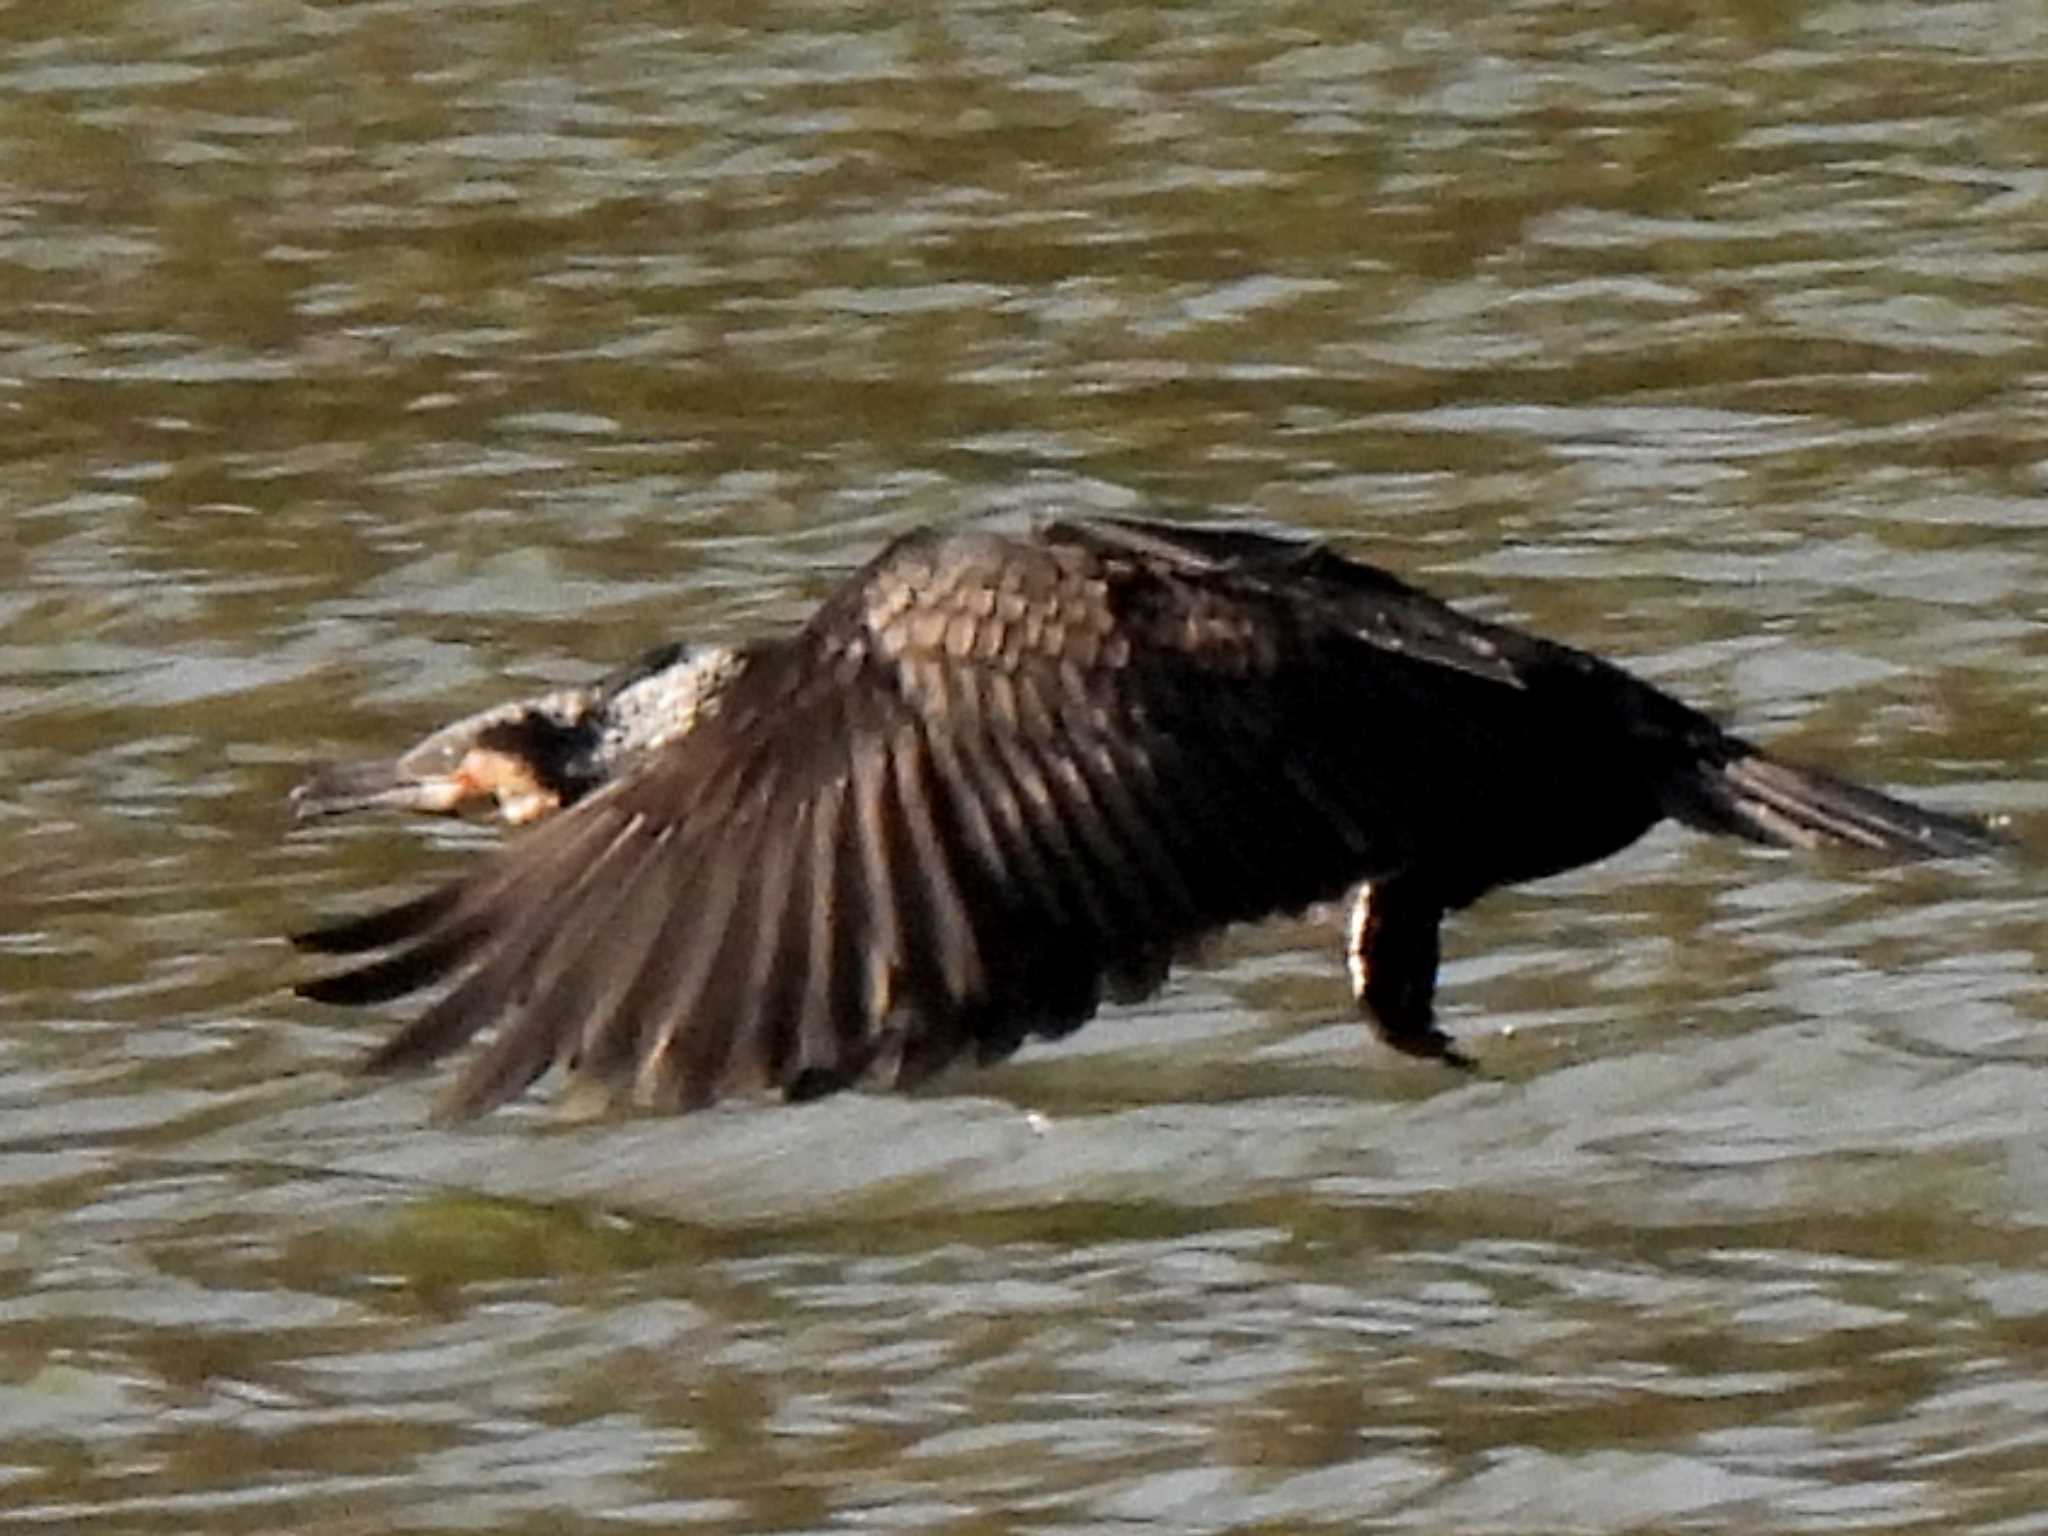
(333,788)
(480,777)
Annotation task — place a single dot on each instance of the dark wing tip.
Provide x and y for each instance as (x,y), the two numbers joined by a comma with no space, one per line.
(396,974)
(379,929)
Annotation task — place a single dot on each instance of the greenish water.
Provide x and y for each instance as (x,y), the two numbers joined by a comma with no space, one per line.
(361,363)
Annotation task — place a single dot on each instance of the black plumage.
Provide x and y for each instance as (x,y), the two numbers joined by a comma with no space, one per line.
(997,778)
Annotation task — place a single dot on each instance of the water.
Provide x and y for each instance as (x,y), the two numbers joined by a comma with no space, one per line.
(362,363)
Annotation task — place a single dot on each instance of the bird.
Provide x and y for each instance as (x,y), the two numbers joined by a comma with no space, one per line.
(1001,777)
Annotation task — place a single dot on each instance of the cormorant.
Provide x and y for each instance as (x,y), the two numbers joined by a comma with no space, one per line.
(997,778)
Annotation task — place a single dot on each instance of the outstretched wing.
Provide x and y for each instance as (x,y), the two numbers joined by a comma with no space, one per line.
(991,779)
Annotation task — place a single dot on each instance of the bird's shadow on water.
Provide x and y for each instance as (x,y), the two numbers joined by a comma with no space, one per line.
(1043,1143)
(1313,1139)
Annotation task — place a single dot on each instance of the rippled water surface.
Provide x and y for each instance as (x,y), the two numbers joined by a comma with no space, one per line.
(361,362)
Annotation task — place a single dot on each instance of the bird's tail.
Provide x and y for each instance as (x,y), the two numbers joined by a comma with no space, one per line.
(1752,794)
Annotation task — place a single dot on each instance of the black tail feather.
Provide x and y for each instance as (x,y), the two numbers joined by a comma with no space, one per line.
(1768,800)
